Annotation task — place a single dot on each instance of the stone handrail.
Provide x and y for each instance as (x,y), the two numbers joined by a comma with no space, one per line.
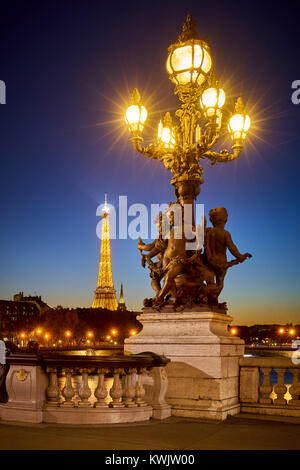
(257,392)
(139,384)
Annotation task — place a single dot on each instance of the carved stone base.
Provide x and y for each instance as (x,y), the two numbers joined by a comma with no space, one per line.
(203,374)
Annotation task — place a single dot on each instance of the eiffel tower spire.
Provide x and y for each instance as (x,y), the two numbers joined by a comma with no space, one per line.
(105,295)
(122,305)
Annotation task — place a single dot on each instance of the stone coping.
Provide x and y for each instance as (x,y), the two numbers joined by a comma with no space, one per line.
(145,359)
(272,361)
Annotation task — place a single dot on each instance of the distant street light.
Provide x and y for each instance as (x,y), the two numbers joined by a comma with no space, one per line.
(233,331)
(133,332)
(114,332)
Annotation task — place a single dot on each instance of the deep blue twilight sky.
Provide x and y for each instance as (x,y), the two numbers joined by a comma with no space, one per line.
(69,68)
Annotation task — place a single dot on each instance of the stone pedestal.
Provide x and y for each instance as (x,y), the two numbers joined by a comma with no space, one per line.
(26,387)
(203,375)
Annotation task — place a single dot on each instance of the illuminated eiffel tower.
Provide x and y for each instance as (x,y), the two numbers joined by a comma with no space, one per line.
(105,295)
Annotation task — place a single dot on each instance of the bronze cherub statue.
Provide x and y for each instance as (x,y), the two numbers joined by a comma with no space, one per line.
(189,276)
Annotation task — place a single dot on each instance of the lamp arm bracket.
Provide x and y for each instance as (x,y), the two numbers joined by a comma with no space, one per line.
(151,151)
(224,156)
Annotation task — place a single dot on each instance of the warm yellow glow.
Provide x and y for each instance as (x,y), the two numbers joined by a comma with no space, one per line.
(281,330)
(108,337)
(39,331)
(212,98)
(233,331)
(135,117)
(133,332)
(115,342)
(292,332)
(185,64)
(68,333)
(239,124)
(167,137)
(22,335)
(90,334)
(59,340)
(183,58)
(114,332)
(47,336)
(88,341)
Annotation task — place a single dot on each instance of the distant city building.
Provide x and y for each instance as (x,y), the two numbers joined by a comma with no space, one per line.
(19,312)
(122,305)
(105,294)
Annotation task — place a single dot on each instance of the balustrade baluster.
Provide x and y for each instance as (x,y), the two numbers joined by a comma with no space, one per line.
(101,391)
(84,391)
(52,392)
(129,392)
(280,388)
(266,388)
(139,388)
(68,391)
(116,390)
(295,388)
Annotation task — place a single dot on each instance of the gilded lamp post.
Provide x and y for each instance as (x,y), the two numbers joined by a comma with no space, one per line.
(191,135)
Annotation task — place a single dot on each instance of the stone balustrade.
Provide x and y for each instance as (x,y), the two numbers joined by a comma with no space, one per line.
(270,386)
(41,388)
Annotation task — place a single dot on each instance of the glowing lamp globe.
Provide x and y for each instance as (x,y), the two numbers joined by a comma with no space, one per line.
(167,137)
(212,99)
(189,60)
(238,126)
(136,114)
(189,64)
(165,132)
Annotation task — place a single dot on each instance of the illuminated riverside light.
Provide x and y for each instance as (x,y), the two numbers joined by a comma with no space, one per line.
(114,332)
(39,331)
(108,337)
(47,335)
(166,133)
(136,114)
(167,137)
(189,62)
(90,334)
(133,332)
(212,99)
(281,331)
(239,123)
(292,332)
(68,333)
(182,145)
(233,331)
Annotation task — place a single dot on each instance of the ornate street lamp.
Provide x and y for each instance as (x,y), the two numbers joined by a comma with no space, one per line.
(182,144)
